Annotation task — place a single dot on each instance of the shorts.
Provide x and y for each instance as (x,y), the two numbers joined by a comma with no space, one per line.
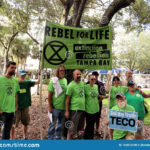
(140,127)
(77,121)
(23,116)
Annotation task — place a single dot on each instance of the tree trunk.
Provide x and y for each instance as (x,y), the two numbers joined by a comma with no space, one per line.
(18,61)
(79,6)
(67,5)
(7,50)
(24,66)
(78,11)
(5,60)
(1,1)
(113,8)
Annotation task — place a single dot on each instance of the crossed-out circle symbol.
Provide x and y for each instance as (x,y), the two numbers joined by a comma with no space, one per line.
(56,47)
(9,90)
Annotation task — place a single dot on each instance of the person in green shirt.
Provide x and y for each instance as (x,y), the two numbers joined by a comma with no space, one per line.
(115,88)
(56,100)
(8,98)
(135,98)
(121,105)
(24,102)
(91,107)
(75,103)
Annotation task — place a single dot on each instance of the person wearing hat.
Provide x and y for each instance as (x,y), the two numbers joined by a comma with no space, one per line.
(121,105)
(24,101)
(102,92)
(135,98)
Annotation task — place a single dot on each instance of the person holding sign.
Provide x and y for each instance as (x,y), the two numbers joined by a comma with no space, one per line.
(91,107)
(56,101)
(76,97)
(135,98)
(121,105)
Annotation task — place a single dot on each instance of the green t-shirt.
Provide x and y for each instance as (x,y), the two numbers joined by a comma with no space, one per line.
(8,90)
(76,91)
(24,95)
(114,91)
(118,134)
(91,99)
(137,101)
(59,102)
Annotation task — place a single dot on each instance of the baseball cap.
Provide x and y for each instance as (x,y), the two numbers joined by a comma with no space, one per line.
(22,72)
(130,83)
(120,95)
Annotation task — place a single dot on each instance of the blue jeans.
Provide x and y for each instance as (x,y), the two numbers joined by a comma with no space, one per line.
(59,118)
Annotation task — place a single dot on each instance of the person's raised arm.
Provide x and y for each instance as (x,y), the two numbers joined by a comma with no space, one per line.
(50,106)
(145,95)
(107,87)
(67,106)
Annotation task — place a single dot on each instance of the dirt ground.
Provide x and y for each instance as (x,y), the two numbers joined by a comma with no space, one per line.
(34,127)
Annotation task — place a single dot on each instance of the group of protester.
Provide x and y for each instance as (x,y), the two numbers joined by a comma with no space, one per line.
(80,100)
(76,103)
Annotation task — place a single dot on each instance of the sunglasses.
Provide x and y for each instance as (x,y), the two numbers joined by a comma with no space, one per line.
(61,70)
(131,85)
(93,79)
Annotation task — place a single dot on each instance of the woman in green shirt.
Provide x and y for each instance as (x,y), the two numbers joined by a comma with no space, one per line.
(115,88)
(135,98)
(91,107)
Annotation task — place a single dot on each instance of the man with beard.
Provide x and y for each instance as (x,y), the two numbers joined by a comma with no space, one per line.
(8,98)
(76,97)
(128,78)
(121,106)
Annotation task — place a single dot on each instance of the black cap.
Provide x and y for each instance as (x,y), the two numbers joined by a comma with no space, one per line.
(95,73)
(130,83)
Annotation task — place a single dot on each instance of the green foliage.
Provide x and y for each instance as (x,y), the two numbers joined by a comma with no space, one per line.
(21,48)
(139,14)
(133,53)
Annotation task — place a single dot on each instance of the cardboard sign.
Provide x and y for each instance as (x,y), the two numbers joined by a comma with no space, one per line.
(123,120)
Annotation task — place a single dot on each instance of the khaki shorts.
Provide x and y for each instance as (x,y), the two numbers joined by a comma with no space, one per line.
(23,116)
